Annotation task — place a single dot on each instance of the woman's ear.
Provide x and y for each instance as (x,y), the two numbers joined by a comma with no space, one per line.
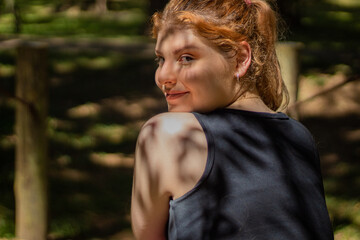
(243,59)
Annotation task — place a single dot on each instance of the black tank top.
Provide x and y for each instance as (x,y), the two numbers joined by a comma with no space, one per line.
(262,181)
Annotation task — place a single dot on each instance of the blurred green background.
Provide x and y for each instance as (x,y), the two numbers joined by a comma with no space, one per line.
(102,90)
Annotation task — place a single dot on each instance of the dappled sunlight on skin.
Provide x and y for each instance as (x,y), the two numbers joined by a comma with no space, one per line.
(172,126)
(188,140)
(151,176)
(187,137)
(170,150)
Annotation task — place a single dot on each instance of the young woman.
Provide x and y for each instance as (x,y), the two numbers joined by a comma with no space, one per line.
(222,163)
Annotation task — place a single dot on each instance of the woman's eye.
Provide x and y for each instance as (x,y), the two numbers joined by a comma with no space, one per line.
(186,59)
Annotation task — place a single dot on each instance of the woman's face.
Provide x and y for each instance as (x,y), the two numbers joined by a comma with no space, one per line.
(193,75)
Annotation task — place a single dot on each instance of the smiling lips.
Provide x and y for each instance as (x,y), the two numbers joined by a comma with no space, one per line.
(174,95)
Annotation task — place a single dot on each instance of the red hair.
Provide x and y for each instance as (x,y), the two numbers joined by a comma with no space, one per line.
(225,23)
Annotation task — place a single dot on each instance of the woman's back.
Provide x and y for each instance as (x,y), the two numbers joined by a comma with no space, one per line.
(262,181)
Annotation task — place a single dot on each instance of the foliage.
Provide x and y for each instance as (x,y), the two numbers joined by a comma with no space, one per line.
(75,19)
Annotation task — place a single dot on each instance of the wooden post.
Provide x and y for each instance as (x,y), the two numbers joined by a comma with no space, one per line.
(31,148)
(288,55)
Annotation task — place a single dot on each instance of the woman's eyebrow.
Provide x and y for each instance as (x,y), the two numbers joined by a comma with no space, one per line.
(186,47)
(176,51)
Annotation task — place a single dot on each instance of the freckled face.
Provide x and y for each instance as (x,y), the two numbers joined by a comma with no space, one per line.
(193,75)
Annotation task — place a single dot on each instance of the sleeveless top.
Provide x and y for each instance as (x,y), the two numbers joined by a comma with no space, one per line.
(262,181)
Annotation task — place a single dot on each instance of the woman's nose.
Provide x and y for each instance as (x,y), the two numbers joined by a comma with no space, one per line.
(166,74)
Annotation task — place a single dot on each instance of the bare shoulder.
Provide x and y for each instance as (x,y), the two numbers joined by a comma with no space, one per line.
(170,125)
(170,158)
(175,146)
(164,130)
(167,133)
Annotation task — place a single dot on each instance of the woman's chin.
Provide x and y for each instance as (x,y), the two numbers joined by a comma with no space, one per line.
(172,108)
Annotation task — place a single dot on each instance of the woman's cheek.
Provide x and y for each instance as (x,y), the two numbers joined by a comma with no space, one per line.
(191,78)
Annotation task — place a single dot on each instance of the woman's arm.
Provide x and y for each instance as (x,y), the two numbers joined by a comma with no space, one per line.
(150,200)
(164,168)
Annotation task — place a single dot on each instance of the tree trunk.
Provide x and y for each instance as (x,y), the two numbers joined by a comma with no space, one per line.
(31,149)
(11,6)
(288,54)
(17,19)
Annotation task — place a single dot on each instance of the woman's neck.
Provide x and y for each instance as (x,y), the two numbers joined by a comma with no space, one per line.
(250,102)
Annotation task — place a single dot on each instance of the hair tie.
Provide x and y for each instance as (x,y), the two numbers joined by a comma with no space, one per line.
(248,2)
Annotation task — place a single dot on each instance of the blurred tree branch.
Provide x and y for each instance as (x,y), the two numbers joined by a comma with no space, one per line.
(326,91)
